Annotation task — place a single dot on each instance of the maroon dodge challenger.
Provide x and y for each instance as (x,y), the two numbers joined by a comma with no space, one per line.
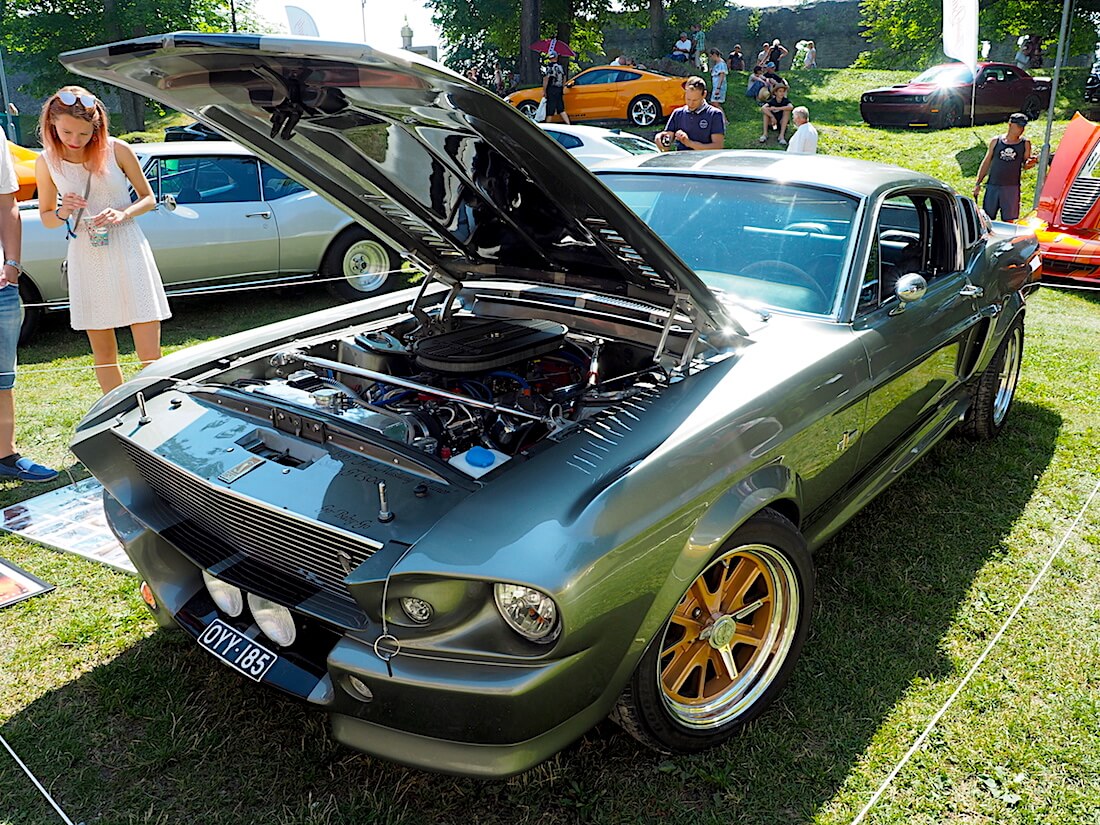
(941,97)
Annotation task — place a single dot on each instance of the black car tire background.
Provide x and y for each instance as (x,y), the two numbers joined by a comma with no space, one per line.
(640,709)
(981,421)
(951,115)
(32,315)
(632,115)
(334,266)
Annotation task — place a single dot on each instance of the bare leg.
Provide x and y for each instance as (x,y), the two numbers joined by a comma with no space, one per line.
(146,341)
(783,126)
(105,355)
(564,117)
(768,120)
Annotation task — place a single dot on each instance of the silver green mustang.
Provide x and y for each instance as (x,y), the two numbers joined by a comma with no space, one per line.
(581,469)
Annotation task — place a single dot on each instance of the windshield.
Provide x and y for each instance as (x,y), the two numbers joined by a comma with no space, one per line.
(783,246)
(944,75)
(633,145)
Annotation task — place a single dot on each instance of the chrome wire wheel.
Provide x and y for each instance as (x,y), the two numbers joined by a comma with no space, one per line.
(729,636)
(1008,374)
(366,266)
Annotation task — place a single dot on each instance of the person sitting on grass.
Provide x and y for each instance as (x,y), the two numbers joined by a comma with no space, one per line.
(777,113)
(682,50)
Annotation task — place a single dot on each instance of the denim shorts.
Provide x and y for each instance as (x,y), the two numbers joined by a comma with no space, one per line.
(11,318)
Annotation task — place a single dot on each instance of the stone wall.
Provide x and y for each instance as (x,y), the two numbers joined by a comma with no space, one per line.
(833,25)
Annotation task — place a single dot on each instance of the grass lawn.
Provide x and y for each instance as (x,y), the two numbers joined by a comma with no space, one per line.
(125,723)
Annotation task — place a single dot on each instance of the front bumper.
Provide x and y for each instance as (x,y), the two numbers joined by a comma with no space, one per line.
(487,719)
(898,114)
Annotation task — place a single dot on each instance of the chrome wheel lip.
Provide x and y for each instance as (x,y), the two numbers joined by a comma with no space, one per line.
(766,665)
(1008,375)
(366,266)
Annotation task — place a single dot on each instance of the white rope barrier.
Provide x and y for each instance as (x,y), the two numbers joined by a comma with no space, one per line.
(218,290)
(973,669)
(37,784)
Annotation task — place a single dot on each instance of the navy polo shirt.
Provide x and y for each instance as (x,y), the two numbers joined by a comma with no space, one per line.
(699,125)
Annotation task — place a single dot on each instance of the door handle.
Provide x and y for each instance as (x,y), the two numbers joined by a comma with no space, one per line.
(971,291)
(264,215)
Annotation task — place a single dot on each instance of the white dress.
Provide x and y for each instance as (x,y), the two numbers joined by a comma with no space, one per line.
(114,285)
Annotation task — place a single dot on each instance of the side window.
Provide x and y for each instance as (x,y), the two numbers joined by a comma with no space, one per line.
(568,141)
(276,184)
(971,223)
(898,248)
(210,179)
(596,76)
(626,77)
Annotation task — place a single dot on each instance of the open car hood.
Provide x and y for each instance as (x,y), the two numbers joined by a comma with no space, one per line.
(1071,192)
(443,168)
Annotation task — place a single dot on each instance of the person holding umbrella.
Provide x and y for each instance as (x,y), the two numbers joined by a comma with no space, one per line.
(553,88)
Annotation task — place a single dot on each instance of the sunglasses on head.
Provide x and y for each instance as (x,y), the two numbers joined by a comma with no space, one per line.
(70,99)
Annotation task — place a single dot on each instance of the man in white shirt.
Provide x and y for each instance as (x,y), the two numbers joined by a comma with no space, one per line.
(682,50)
(804,140)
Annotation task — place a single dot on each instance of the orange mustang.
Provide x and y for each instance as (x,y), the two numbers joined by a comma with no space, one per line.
(1067,221)
(24,171)
(643,97)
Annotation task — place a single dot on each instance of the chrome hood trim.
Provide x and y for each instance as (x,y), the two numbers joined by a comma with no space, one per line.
(444,169)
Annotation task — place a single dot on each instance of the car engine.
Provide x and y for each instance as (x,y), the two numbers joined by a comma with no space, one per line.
(470,391)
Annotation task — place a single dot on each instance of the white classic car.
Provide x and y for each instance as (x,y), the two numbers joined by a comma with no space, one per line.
(223,217)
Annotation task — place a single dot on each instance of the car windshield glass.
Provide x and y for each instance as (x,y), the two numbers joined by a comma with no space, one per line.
(943,75)
(633,145)
(781,245)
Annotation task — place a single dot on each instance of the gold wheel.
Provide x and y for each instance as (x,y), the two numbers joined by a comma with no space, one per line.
(729,636)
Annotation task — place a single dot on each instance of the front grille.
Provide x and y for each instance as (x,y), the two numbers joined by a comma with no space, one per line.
(1056,267)
(1082,195)
(310,557)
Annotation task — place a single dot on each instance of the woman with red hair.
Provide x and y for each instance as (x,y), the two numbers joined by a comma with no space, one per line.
(113,278)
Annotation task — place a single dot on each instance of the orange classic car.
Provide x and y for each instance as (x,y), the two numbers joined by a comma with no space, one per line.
(643,97)
(24,171)
(1067,221)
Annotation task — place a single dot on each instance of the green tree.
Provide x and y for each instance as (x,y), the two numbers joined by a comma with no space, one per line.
(35,32)
(907,33)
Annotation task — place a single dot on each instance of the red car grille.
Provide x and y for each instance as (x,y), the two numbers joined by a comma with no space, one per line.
(1082,195)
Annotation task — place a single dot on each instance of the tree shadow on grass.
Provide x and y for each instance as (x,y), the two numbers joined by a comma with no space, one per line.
(164,733)
(970,159)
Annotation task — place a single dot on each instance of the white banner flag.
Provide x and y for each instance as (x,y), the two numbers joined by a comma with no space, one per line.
(302,24)
(960,31)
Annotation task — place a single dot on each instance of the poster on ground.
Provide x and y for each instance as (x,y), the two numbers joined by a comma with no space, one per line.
(17,584)
(70,519)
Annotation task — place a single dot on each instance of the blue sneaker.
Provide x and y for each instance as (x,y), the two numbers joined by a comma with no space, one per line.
(26,470)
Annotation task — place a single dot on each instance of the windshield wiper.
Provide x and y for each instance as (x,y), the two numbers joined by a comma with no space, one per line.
(728,298)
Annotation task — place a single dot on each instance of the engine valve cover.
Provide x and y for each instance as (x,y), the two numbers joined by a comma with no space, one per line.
(488,345)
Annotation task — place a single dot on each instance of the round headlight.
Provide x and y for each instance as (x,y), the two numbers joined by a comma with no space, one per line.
(274,620)
(529,612)
(228,598)
(418,610)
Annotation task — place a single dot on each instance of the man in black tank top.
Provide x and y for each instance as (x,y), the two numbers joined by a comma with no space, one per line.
(1007,157)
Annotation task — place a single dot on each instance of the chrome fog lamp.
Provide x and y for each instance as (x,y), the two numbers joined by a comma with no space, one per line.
(418,610)
(229,599)
(274,620)
(529,612)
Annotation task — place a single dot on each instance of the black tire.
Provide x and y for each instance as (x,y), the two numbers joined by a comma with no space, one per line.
(364,265)
(528,108)
(644,110)
(993,392)
(1032,107)
(766,558)
(32,315)
(952,114)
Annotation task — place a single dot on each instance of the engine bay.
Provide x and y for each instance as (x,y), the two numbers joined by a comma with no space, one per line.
(470,391)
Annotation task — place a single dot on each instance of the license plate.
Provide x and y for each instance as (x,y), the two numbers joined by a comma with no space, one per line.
(237,650)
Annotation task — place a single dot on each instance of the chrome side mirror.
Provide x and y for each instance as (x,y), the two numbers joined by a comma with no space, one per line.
(168,202)
(910,288)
